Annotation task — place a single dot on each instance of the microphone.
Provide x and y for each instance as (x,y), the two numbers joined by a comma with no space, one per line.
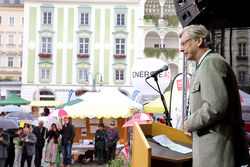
(154,73)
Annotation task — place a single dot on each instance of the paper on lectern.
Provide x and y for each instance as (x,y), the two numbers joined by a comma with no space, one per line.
(166,142)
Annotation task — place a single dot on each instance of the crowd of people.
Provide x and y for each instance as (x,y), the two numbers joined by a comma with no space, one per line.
(19,146)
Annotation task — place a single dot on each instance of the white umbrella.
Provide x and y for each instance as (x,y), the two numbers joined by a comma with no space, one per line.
(10,108)
(47,122)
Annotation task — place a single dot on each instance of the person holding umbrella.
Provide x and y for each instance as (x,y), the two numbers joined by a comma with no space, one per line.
(100,143)
(18,147)
(9,162)
(4,142)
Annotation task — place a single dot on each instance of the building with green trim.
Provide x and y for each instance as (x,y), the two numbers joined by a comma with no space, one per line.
(74,44)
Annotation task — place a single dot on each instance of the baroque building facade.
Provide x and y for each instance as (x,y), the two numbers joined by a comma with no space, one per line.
(11,46)
(75,44)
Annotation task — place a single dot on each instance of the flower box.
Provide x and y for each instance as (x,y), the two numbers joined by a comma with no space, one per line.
(119,56)
(240,57)
(44,54)
(82,55)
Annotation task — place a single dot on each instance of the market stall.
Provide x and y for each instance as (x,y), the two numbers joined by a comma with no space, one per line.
(101,107)
(14,99)
(36,104)
(156,106)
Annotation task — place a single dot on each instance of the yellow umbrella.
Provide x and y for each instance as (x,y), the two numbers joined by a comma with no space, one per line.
(156,106)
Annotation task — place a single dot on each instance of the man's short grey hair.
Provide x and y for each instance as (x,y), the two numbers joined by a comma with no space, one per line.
(195,31)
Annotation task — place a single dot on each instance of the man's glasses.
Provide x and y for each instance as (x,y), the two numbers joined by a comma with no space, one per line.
(183,44)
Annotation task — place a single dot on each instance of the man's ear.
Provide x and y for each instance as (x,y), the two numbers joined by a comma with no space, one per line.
(200,41)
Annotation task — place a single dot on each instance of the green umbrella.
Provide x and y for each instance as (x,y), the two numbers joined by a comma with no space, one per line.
(70,103)
(13,99)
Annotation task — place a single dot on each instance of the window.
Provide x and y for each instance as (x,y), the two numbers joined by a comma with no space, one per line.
(0,20)
(1,1)
(10,61)
(11,1)
(159,45)
(11,20)
(0,61)
(119,75)
(47,18)
(21,62)
(46,45)
(84,45)
(21,40)
(46,95)
(242,49)
(120,19)
(84,18)
(22,21)
(83,75)
(0,39)
(119,46)
(242,76)
(11,40)
(45,74)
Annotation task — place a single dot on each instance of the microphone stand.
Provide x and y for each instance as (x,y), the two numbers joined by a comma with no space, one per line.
(168,119)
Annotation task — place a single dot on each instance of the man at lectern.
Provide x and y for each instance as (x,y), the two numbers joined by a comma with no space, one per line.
(215,119)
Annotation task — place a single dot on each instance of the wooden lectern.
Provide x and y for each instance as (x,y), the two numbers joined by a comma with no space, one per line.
(147,153)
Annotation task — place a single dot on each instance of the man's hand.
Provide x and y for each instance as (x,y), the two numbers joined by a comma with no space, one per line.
(27,140)
(187,131)
(98,136)
(1,138)
(69,141)
(22,139)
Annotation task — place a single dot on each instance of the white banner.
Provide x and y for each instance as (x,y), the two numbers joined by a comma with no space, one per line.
(176,101)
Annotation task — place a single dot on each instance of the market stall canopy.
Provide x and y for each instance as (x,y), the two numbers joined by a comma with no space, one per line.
(70,103)
(108,103)
(45,103)
(156,106)
(14,99)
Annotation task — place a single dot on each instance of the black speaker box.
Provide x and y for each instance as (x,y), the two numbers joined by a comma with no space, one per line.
(213,13)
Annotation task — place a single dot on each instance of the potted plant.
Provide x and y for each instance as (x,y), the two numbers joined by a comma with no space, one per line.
(82,55)
(44,54)
(240,57)
(119,55)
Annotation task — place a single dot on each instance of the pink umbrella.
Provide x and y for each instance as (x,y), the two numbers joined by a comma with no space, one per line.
(58,113)
(131,122)
(143,116)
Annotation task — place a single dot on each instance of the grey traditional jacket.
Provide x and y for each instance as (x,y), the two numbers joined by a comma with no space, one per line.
(30,145)
(216,120)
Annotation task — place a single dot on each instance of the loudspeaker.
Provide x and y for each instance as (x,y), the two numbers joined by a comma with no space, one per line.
(188,10)
(213,14)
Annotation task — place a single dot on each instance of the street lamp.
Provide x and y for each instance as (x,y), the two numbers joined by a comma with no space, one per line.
(94,79)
